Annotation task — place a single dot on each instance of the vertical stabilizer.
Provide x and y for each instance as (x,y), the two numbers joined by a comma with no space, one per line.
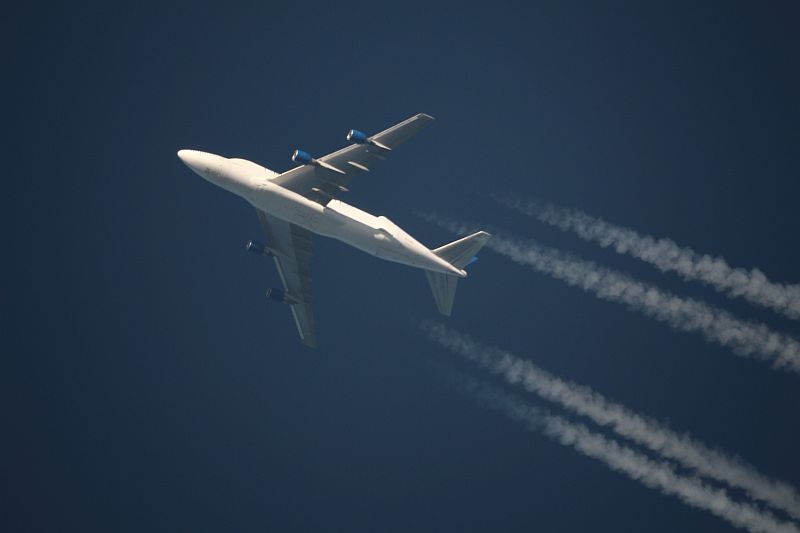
(459,254)
(443,287)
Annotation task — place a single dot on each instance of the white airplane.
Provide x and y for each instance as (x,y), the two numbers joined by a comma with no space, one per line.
(300,202)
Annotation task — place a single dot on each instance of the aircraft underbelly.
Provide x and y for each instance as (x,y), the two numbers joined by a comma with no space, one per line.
(376,236)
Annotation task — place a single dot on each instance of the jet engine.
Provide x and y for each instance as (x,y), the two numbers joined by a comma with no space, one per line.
(280,296)
(301,157)
(304,158)
(358,137)
(257,248)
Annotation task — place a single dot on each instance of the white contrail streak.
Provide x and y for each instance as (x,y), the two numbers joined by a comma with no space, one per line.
(658,475)
(745,338)
(642,430)
(666,255)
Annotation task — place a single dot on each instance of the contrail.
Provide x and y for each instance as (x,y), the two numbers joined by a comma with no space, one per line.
(666,255)
(658,475)
(745,338)
(642,430)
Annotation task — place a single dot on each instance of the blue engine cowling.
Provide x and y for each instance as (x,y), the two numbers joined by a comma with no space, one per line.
(278,295)
(358,137)
(301,157)
(255,247)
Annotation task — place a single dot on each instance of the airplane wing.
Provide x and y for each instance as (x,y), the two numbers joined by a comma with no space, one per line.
(293,248)
(320,183)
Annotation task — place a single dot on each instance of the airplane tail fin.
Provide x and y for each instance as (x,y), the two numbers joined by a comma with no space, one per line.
(458,253)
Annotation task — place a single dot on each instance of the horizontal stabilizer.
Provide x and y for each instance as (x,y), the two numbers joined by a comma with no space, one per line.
(462,252)
(458,253)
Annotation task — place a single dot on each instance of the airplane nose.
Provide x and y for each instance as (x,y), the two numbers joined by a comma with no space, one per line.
(194,159)
(187,156)
(208,166)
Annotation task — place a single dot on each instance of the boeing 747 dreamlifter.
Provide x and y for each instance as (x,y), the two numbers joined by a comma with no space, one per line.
(300,202)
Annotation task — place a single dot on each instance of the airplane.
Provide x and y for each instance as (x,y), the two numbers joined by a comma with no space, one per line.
(294,205)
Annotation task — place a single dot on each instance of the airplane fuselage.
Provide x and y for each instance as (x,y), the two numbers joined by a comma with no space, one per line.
(376,236)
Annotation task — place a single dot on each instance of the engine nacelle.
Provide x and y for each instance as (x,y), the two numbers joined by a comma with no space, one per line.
(255,247)
(280,296)
(358,137)
(302,158)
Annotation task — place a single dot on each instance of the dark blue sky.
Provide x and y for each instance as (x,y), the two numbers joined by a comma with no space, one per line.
(150,386)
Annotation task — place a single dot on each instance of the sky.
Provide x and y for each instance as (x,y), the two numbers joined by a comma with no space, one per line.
(148,384)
